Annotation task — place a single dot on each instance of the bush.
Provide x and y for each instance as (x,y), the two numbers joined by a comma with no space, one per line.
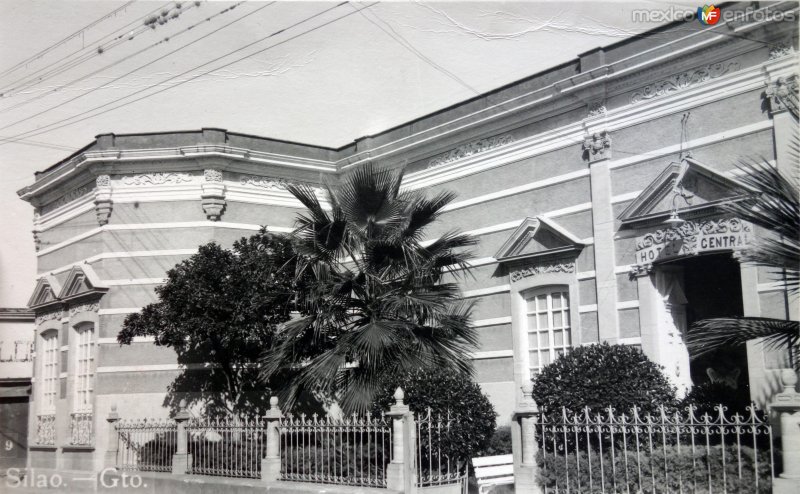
(499,444)
(599,376)
(685,471)
(445,392)
(705,398)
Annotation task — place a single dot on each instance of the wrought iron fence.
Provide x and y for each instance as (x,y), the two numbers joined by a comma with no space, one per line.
(229,447)
(46,429)
(436,463)
(654,453)
(146,445)
(353,450)
(81,429)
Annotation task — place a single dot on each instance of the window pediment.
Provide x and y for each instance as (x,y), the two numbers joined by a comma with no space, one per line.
(538,237)
(689,187)
(45,293)
(82,281)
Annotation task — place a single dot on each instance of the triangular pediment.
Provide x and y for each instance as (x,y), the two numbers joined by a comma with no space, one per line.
(538,237)
(82,280)
(45,292)
(689,187)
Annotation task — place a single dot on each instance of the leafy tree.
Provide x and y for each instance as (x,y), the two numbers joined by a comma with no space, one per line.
(376,300)
(219,310)
(445,393)
(599,376)
(775,208)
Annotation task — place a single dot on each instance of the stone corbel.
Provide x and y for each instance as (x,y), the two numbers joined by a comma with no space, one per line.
(639,270)
(597,146)
(102,199)
(782,94)
(213,194)
(37,242)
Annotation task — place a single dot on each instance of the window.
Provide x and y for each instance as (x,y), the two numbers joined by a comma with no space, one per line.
(84,368)
(49,379)
(548,327)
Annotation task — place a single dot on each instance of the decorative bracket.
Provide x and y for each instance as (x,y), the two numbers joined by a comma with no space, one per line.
(102,199)
(213,195)
(597,147)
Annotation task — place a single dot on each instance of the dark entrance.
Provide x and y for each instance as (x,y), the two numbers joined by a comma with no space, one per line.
(713,288)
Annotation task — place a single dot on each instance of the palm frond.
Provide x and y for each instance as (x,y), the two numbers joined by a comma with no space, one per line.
(709,335)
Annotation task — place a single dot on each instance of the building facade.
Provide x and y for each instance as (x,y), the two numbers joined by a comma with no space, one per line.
(16,369)
(571,179)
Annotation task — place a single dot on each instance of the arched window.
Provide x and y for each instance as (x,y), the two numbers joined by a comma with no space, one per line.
(84,368)
(549,332)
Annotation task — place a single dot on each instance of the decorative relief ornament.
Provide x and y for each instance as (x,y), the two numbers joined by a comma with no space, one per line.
(781,50)
(102,199)
(157,179)
(47,316)
(691,238)
(91,307)
(103,181)
(211,175)
(597,146)
(782,93)
(597,108)
(557,267)
(472,148)
(684,80)
(66,198)
(265,182)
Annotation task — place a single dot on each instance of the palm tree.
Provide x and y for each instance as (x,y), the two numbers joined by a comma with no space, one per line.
(378,299)
(774,208)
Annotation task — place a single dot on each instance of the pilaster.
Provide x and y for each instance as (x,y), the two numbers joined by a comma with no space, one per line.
(597,151)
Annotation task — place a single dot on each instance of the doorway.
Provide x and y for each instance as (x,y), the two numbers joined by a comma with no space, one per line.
(713,288)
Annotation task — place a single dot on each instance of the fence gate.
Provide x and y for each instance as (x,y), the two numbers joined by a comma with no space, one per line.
(437,467)
(662,452)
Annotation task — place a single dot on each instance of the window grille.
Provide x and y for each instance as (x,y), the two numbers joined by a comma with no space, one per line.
(549,334)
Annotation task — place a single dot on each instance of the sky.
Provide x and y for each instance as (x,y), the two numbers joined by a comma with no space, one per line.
(320,73)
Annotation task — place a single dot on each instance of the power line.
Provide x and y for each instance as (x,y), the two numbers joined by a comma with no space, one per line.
(84,77)
(31,80)
(42,144)
(392,33)
(81,95)
(44,130)
(64,40)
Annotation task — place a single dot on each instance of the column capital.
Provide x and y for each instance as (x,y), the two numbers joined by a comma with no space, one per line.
(597,146)
(781,94)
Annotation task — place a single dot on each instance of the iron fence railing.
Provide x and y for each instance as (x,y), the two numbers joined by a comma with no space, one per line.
(353,450)
(46,429)
(664,452)
(146,445)
(436,463)
(227,447)
(81,429)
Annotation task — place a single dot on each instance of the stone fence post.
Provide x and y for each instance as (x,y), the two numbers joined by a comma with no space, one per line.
(110,459)
(787,404)
(400,474)
(523,442)
(271,463)
(181,459)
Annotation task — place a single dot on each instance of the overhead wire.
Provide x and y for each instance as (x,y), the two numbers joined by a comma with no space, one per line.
(93,50)
(392,33)
(56,125)
(81,95)
(64,40)
(106,67)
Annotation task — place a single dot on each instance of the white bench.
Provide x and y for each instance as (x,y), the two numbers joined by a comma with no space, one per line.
(491,471)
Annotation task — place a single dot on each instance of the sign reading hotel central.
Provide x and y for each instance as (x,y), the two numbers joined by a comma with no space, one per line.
(693,238)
